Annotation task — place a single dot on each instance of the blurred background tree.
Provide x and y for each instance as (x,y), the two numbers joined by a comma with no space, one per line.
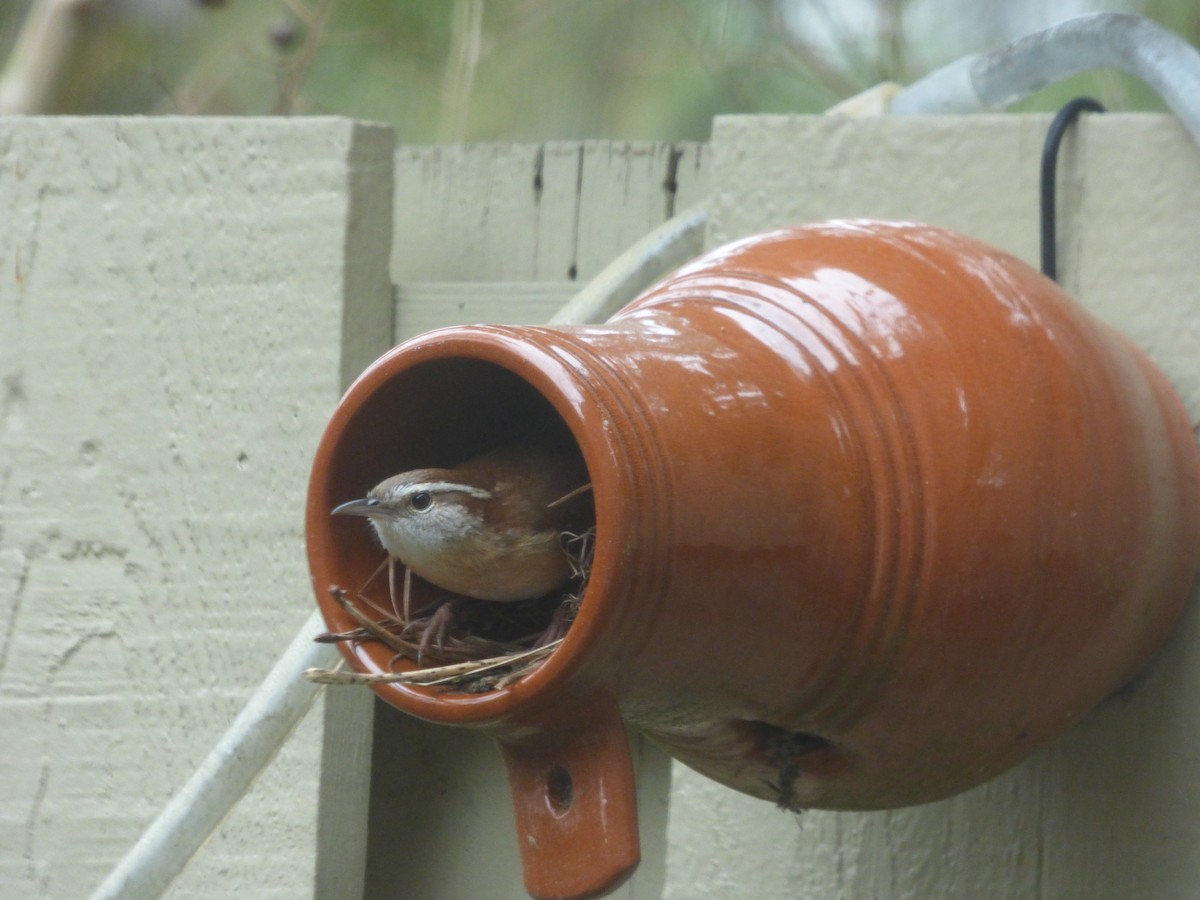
(525,70)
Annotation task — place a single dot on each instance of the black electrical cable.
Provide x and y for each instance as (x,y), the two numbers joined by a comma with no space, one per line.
(1066,116)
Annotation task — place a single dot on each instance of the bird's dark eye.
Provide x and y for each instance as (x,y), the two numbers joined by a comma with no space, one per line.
(421,501)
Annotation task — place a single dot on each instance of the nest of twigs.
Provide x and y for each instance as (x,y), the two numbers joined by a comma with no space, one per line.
(458,643)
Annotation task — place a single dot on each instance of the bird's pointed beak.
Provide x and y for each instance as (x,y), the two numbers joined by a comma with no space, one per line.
(364,507)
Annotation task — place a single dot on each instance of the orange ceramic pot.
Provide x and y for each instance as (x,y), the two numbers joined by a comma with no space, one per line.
(879,511)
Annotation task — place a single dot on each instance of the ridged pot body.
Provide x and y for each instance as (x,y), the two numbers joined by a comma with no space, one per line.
(879,510)
(921,505)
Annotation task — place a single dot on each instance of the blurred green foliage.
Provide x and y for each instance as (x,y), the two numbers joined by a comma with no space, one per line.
(451,70)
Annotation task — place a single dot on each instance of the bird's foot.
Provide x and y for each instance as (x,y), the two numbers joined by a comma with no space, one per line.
(433,629)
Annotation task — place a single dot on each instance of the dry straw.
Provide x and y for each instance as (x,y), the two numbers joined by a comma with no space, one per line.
(475,645)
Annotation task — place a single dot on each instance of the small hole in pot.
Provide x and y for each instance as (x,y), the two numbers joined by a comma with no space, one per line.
(559,790)
(785,751)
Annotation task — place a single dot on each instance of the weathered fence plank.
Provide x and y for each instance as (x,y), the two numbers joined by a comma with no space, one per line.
(174,299)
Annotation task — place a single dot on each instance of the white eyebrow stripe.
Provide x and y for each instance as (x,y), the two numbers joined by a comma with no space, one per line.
(443,487)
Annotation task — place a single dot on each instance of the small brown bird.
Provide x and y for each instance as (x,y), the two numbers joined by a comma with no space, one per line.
(490,528)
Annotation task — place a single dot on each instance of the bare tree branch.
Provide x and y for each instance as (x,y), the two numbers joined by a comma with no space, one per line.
(466,43)
(50,37)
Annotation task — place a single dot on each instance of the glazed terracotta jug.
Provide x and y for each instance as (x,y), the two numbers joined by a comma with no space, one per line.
(879,511)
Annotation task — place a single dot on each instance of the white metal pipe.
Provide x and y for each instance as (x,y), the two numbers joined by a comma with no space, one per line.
(665,248)
(253,739)
(1145,49)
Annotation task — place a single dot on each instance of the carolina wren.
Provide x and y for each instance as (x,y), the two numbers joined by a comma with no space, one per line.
(489,528)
